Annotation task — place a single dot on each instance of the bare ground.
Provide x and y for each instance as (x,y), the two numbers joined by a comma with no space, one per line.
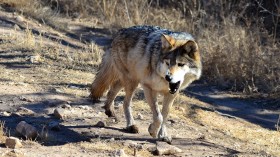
(204,121)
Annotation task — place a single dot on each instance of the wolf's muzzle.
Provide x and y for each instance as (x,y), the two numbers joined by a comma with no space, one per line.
(168,78)
(173,87)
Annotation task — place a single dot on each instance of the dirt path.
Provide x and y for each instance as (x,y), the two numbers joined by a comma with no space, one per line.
(207,123)
(246,108)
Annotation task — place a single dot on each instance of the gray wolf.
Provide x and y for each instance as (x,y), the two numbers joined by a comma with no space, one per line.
(161,61)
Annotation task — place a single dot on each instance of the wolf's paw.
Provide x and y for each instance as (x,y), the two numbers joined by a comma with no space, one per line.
(132,129)
(163,135)
(166,139)
(153,130)
(110,113)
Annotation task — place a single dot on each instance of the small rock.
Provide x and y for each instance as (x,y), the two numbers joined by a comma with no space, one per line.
(20,18)
(85,107)
(22,98)
(58,90)
(34,59)
(5,113)
(73,87)
(26,130)
(99,113)
(54,126)
(12,142)
(120,153)
(22,84)
(179,108)
(13,114)
(130,143)
(25,111)
(140,116)
(112,139)
(52,102)
(66,106)
(59,113)
(16,27)
(100,124)
(164,148)
(68,102)
(171,121)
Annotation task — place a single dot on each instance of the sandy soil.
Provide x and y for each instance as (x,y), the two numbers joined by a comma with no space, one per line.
(204,121)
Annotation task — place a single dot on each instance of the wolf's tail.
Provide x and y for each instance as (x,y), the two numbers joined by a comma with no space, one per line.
(105,76)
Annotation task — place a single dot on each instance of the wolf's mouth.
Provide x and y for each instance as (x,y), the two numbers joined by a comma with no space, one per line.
(173,87)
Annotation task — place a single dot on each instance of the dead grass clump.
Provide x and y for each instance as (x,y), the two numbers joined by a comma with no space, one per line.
(36,10)
(81,59)
(241,58)
(2,132)
(238,40)
(238,52)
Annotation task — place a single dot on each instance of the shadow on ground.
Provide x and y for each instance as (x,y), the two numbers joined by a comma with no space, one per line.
(247,109)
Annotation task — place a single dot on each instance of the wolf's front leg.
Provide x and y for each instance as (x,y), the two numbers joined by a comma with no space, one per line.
(167,104)
(151,97)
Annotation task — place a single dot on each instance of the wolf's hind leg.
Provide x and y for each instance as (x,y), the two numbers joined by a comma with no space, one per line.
(109,107)
(130,87)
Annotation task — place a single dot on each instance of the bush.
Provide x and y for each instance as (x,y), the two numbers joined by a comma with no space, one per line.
(238,39)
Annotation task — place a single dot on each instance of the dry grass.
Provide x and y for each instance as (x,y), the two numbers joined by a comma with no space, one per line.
(239,52)
(85,58)
(2,132)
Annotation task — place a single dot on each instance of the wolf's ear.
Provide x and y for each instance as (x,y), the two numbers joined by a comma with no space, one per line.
(191,49)
(167,42)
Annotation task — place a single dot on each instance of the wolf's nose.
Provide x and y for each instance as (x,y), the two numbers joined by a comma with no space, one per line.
(168,78)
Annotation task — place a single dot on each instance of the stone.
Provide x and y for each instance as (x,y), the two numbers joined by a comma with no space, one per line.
(20,18)
(16,27)
(171,121)
(112,139)
(164,148)
(58,90)
(22,98)
(26,130)
(59,113)
(25,111)
(66,106)
(84,107)
(100,124)
(179,108)
(5,113)
(120,153)
(22,84)
(34,59)
(13,142)
(130,143)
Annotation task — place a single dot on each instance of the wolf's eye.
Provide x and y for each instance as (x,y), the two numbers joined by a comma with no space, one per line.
(180,64)
(167,63)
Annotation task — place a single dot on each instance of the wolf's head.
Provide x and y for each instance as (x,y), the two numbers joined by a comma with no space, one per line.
(180,59)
